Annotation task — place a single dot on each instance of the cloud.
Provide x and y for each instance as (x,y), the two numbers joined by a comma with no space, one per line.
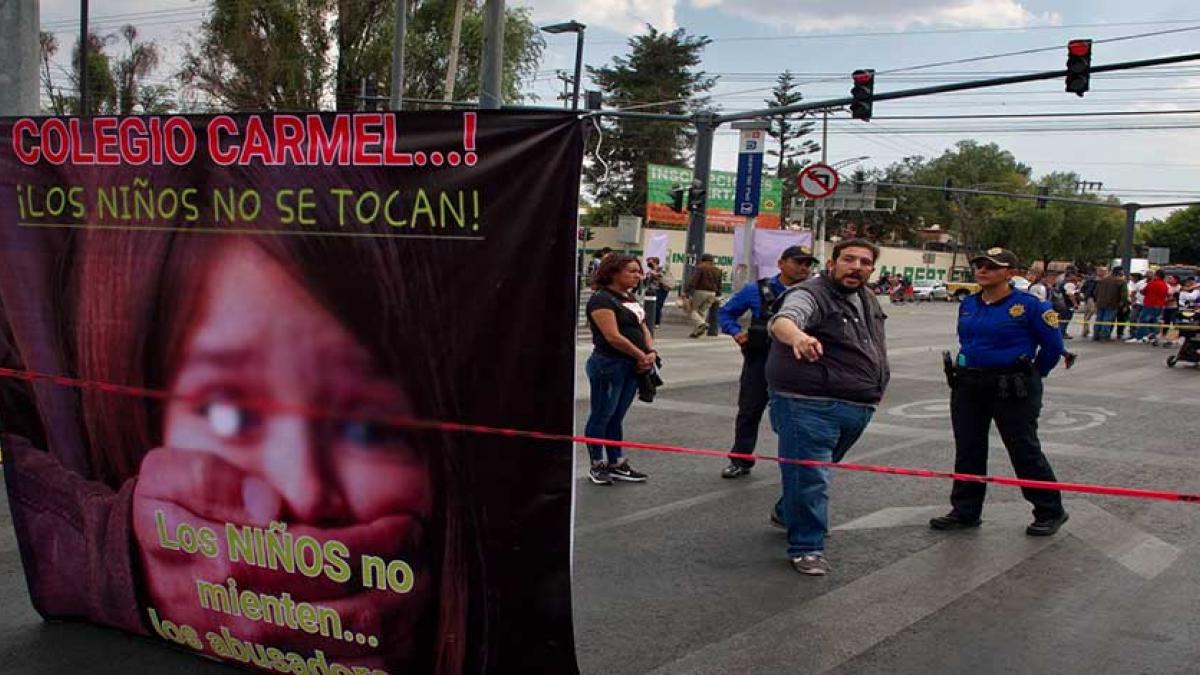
(623,16)
(834,15)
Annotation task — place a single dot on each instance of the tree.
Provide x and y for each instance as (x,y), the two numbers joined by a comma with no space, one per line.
(789,132)
(116,84)
(48,47)
(660,69)
(264,55)
(1180,231)
(275,54)
(130,73)
(428,50)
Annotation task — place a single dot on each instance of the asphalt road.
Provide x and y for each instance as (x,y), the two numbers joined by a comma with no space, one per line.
(683,574)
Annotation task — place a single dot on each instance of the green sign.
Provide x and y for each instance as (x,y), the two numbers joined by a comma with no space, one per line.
(662,179)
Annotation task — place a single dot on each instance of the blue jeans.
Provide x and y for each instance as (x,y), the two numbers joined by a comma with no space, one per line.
(819,430)
(1104,319)
(614,384)
(660,299)
(1149,315)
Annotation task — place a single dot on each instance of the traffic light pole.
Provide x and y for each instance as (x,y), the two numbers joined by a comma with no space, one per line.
(956,86)
(706,125)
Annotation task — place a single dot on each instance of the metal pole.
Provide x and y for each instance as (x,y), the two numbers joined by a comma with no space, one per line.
(397,102)
(490,95)
(1130,223)
(452,58)
(19,25)
(578,67)
(83,57)
(748,251)
(819,246)
(705,126)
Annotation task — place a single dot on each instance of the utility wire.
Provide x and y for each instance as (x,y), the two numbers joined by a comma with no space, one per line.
(930,31)
(936,64)
(991,116)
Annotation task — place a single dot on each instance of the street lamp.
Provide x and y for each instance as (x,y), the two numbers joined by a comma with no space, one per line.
(848,162)
(577,28)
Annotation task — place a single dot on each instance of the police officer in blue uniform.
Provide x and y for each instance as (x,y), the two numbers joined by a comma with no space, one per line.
(1008,341)
(757,297)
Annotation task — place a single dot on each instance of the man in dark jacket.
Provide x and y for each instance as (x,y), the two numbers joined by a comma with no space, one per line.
(827,370)
(1110,293)
(701,290)
(758,298)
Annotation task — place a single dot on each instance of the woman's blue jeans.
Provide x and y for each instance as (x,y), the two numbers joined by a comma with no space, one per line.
(819,430)
(614,384)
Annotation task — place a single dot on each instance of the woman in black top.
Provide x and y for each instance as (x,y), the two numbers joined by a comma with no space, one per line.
(622,348)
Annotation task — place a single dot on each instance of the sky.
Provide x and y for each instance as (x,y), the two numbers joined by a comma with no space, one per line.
(822,41)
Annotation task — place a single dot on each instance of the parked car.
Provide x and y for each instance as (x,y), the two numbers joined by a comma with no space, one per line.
(930,290)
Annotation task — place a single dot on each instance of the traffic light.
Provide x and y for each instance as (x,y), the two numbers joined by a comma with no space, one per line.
(863,93)
(677,194)
(1042,192)
(946,185)
(860,177)
(695,200)
(1079,66)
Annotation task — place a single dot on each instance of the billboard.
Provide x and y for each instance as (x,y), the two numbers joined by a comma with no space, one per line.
(230,344)
(721,193)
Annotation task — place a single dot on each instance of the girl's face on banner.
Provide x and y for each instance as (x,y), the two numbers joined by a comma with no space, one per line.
(261,337)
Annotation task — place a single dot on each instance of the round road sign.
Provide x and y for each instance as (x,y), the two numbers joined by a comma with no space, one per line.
(817,181)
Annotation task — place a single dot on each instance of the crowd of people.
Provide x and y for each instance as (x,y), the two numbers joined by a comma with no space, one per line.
(815,356)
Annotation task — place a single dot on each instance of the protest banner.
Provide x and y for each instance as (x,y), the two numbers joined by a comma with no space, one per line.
(245,313)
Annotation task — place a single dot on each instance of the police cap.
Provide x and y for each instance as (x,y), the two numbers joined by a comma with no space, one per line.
(998,256)
(798,253)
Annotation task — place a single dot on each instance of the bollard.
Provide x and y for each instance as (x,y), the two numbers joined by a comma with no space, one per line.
(649,305)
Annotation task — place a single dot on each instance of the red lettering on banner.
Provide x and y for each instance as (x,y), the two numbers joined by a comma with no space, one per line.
(156,155)
(322,146)
(390,156)
(217,126)
(469,125)
(289,138)
(105,130)
(25,127)
(177,155)
(55,155)
(364,137)
(134,148)
(255,143)
(79,154)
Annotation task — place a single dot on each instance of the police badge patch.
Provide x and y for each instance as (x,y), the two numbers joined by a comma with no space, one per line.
(1051,318)
(1016,311)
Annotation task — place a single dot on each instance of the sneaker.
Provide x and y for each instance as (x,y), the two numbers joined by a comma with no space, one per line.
(735,471)
(599,474)
(624,472)
(1046,527)
(952,521)
(1131,340)
(812,564)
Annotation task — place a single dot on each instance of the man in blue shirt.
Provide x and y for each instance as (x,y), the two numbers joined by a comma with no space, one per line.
(1008,341)
(756,297)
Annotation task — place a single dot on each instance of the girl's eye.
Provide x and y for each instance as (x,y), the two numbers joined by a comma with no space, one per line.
(225,419)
